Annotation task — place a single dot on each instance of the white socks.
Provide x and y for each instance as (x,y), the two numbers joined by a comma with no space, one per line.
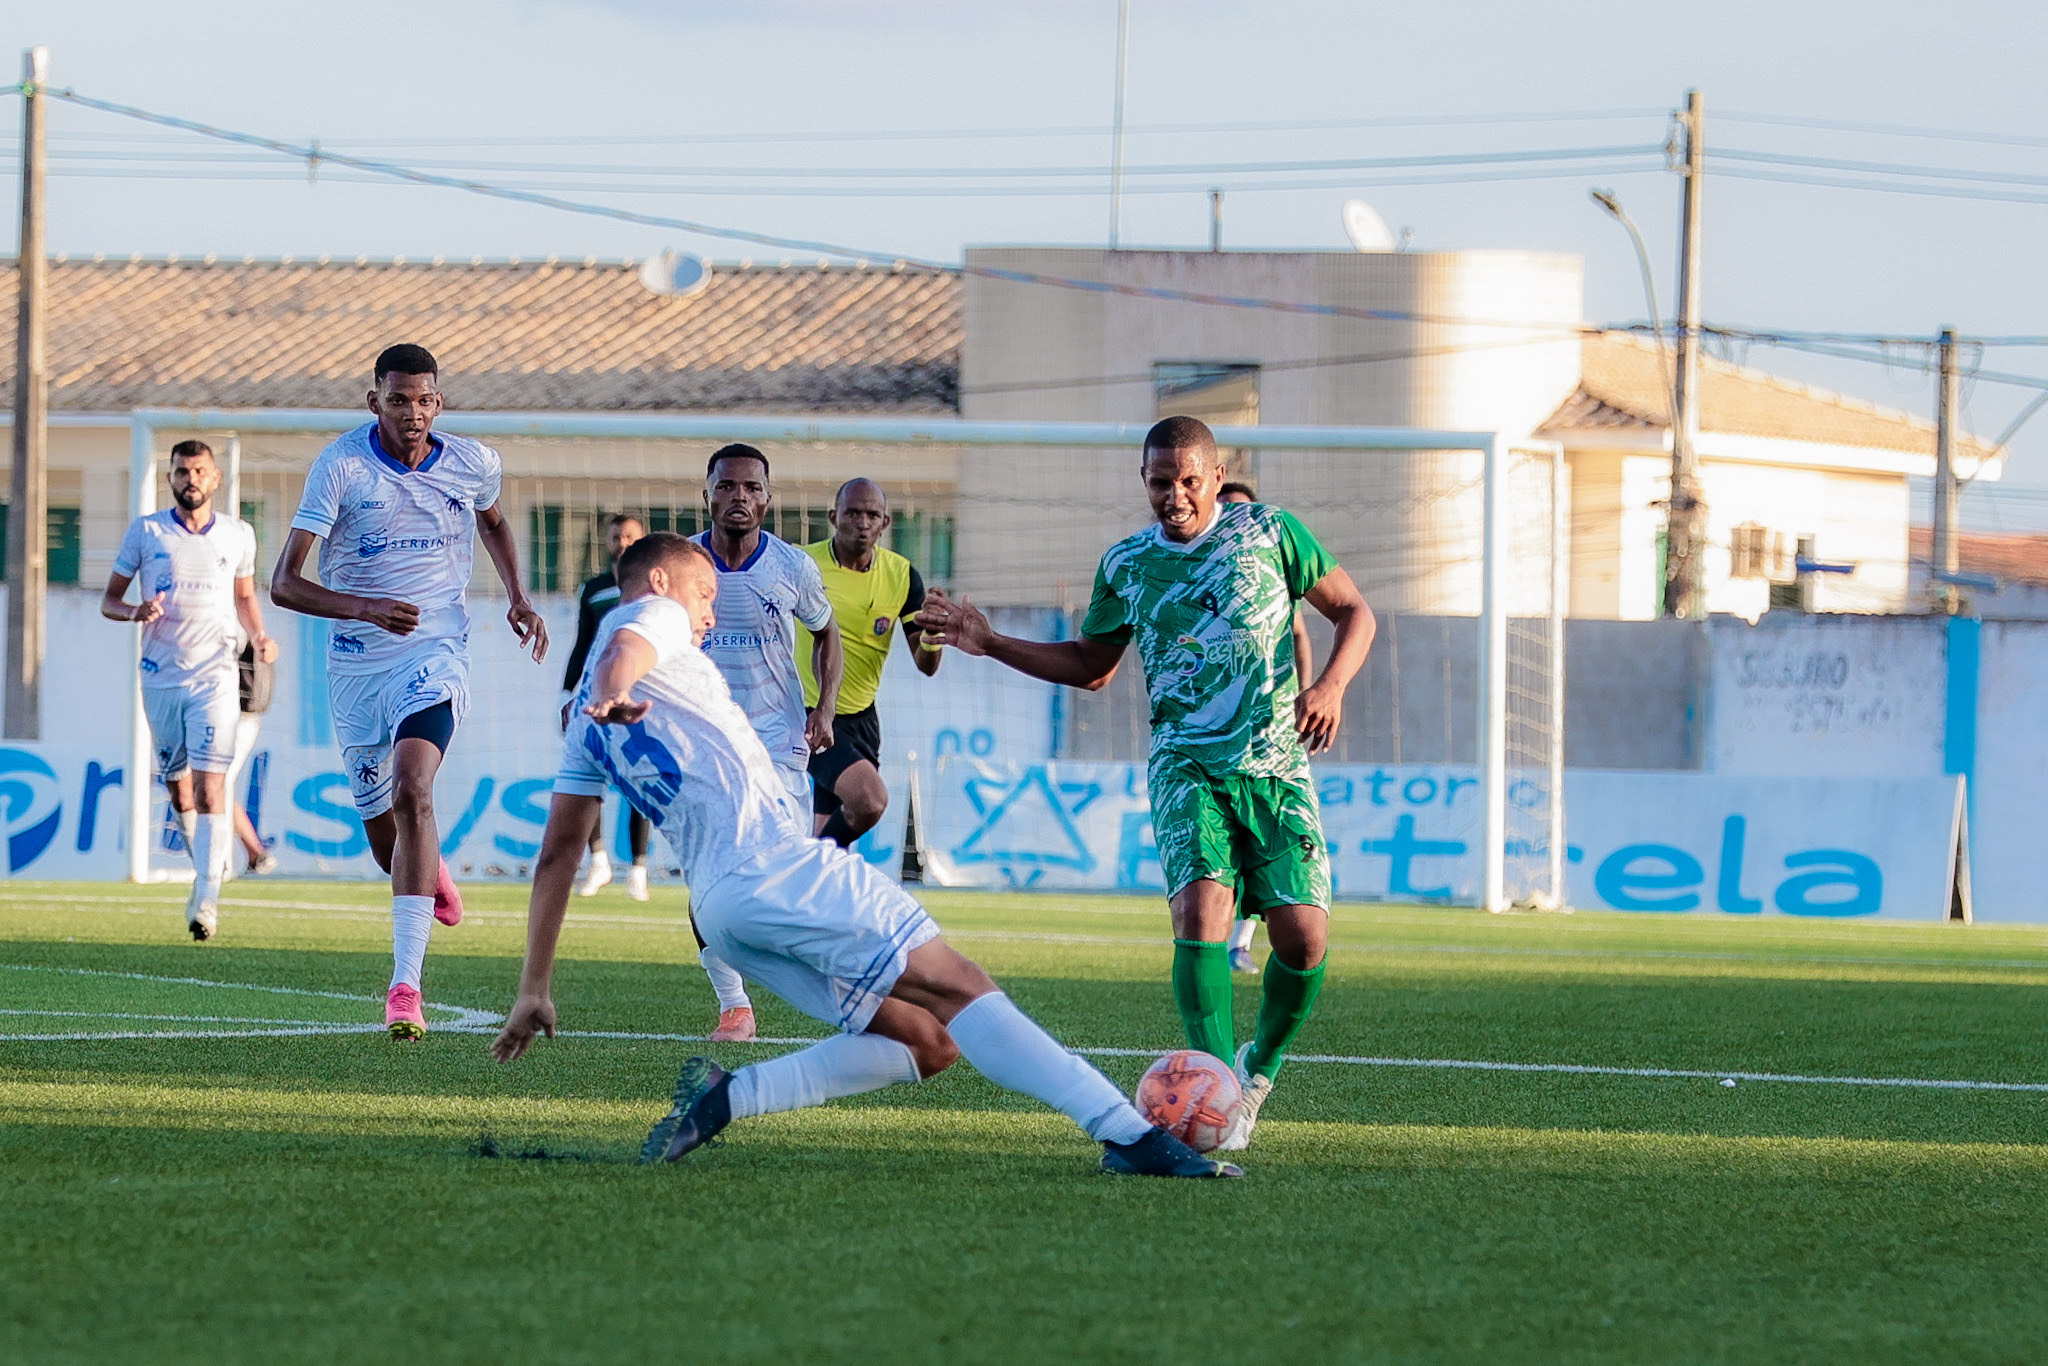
(1010,1049)
(726,981)
(211,841)
(411,918)
(843,1065)
(1241,934)
(187,826)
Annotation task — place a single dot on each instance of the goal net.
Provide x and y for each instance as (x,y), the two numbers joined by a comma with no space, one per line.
(1013,782)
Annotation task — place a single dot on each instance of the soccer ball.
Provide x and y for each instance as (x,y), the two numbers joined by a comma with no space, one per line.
(1192,1096)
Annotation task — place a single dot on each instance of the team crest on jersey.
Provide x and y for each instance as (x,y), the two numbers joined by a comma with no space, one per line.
(455,505)
(882,625)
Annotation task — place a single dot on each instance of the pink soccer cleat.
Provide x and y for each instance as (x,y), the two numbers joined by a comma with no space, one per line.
(402,1014)
(734,1026)
(447,897)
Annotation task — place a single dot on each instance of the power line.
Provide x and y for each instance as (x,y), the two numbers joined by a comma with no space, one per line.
(1901,130)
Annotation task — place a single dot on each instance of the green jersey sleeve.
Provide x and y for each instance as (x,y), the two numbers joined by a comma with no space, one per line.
(1302,557)
(1106,619)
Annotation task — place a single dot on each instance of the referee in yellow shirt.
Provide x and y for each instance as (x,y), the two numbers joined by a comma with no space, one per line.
(873,591)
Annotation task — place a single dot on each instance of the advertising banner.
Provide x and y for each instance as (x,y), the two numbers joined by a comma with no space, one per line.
(1411,832)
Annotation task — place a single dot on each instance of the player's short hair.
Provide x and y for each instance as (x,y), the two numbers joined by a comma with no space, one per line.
(656,549)
(621,518)
(1238,486)
(839,498)
(738,450)
(405,359)
(192,450)
(1180,434)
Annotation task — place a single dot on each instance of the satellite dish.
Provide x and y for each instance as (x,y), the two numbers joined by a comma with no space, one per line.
(674,273)
(1366,229)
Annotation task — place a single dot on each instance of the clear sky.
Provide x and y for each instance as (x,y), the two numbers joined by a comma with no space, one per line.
(662,106)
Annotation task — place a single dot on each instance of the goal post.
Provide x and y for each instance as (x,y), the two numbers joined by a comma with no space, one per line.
(1519,647)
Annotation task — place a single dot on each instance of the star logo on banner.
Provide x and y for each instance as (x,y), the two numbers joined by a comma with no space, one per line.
(1030,822)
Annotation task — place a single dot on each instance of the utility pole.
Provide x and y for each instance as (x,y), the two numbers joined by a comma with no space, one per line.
(1116,137)
(28,531)
(1685,522)
(1946,558)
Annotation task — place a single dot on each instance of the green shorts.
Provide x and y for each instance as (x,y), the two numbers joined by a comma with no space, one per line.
(1263,836)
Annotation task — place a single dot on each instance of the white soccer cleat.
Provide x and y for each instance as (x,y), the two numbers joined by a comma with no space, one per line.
(1241,961)
(202,919)
(1252,1094)
(636,882)
(600,875)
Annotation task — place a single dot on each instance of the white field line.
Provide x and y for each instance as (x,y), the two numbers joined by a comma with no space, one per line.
(676,924)
(471,1021)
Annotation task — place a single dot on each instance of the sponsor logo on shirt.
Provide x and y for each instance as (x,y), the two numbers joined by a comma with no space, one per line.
(372,504)
(348,645)
(374,543)
(733,640)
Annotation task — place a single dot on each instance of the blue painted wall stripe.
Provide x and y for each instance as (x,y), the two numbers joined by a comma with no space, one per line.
(1959,743)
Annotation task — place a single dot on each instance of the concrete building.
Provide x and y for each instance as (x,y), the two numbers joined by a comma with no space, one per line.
(1477,340)
(1482,340)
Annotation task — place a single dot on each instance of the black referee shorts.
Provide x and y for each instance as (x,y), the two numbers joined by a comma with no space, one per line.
(855,736)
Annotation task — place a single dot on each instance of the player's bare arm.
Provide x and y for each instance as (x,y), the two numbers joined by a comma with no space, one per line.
(250,611)
(115,607)
(1319,708)
(828,666)
(293,591)
(1084,663)
(625,661)
(496,534)
(571,818)
(925,650)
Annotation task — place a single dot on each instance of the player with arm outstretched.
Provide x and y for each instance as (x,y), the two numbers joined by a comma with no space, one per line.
(1207,596)
(1304,667)
(873,590)
(197,567)
(396,509)
(767,587)
(598,596)
(836,939)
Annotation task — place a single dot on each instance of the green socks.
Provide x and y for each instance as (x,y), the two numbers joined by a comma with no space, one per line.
(1283,1010)
(1201,989)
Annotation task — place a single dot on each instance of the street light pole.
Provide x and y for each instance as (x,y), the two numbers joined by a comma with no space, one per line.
(1611,203)
(28,531)
(1685,524)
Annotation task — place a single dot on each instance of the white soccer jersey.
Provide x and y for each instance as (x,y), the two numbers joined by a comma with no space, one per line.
(754,644)
(694,765)
(393,532)
(197,637)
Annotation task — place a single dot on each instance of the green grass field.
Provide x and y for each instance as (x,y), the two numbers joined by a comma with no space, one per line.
(265,1188)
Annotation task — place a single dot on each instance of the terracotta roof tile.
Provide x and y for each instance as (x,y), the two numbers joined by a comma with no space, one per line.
(1624,383)
(514,335)
(2013,559)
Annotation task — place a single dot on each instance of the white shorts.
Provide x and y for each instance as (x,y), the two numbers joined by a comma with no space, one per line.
(368,708)
(798,781)
(815,925)
(193,726)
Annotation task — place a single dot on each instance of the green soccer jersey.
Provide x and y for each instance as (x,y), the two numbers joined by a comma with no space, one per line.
(1213,619)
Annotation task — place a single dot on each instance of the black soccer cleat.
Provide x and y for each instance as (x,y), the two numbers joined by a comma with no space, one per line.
(701,1111)
(1159,1153)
